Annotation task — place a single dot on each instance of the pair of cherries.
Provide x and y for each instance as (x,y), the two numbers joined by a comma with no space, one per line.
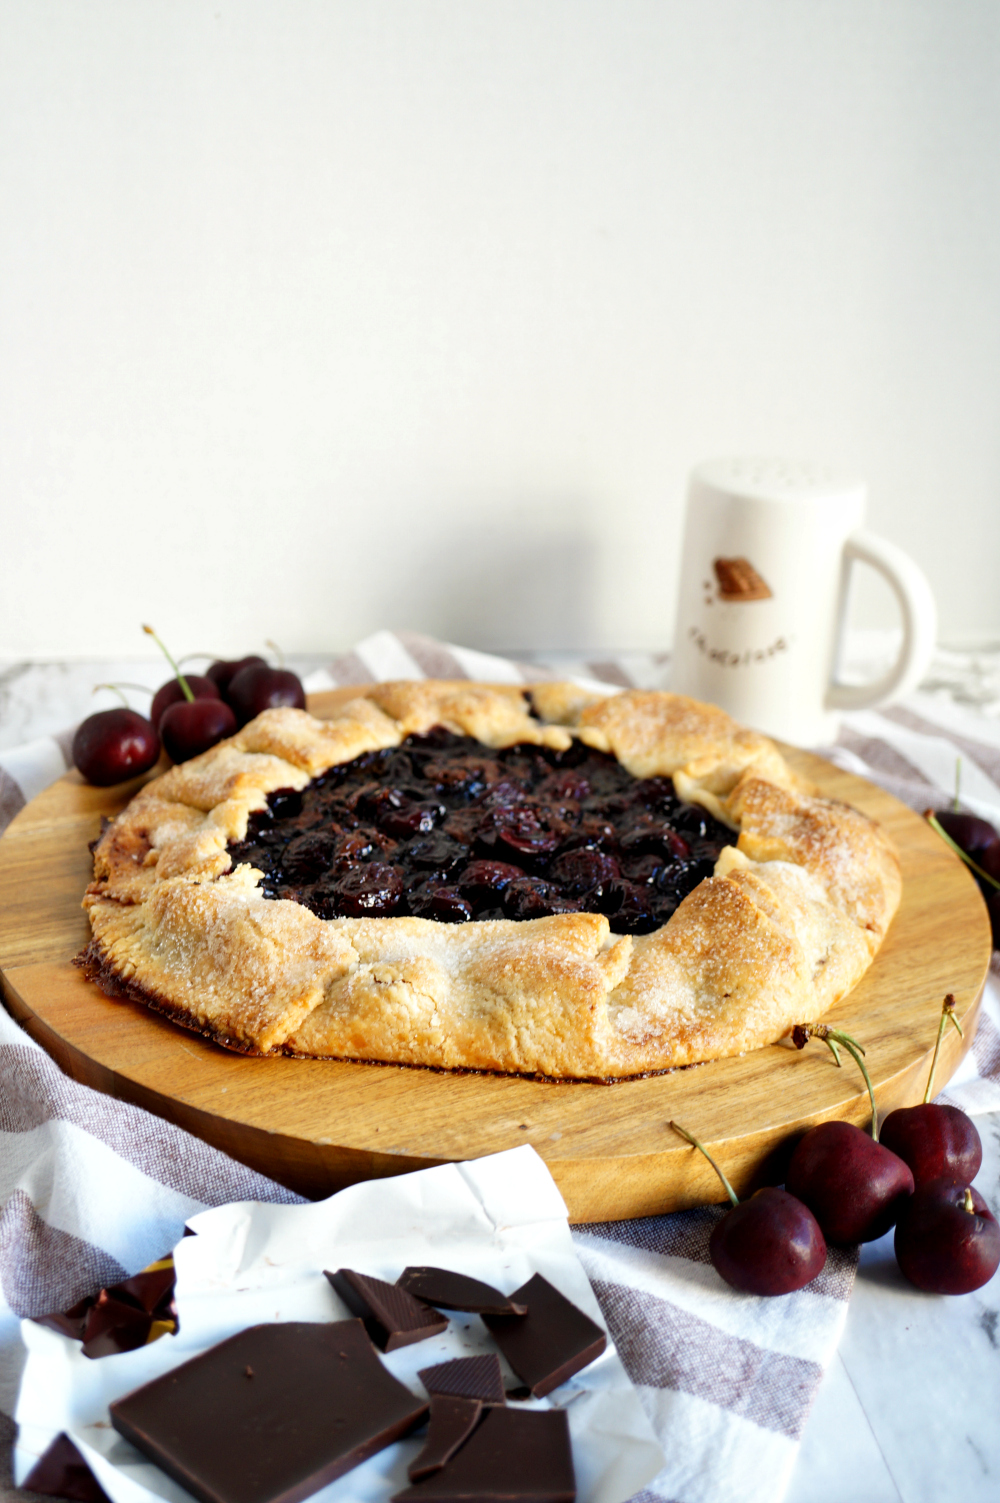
(189,714)
(193,711)
(844,1185)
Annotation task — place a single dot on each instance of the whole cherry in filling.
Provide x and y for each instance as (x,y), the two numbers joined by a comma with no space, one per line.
(444,828)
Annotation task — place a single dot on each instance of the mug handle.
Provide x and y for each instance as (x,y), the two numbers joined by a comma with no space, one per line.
(916,604)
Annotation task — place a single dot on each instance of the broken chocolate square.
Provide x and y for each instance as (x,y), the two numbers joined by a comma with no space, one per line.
(114,1326)
(456,1291)
(549,1344)
(152,1289)
(270,1415)
(514,1454)
(466,1378)
(452,1422)
(61,1472)
(123,1316)
(392,1317)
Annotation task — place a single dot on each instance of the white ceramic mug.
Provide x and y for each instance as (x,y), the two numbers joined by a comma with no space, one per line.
(768,550)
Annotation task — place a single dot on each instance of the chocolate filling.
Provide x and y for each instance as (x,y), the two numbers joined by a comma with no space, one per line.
(445,828)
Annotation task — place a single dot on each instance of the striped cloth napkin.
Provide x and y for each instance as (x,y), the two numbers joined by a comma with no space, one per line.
(93,1189)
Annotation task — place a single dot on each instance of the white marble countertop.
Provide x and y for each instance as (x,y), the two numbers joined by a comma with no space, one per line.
(909,1412)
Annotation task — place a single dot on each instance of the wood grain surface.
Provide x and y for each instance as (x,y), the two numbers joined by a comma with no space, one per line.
(318,1125)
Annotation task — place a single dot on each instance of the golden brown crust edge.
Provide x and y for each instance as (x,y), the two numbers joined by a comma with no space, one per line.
(789,923)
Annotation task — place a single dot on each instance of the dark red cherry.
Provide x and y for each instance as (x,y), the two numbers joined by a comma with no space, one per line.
(258,687)
(947,1240)
(645,870)
(976,836)
(937,1141)
(436,900)
(308,856)
(769,1244)
(853,1185)
(171,693)
(530,897)
(524,830)
(224,670)
(368,891)
(578,871)
(628,905)
(483,882)
(114,745)
(565,783)
(436,851)
(399,815)
(190,727)
(993,909)
(649,834)
(990,863)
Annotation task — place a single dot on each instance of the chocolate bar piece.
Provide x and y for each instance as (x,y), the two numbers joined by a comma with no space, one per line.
(456,1291)
(270,1415)
(549,1344)
(514,1454)
(123,1316)
(152,1289)
(466,1378)
(452,1422)
(114,1326)
(392,1317)
(61,1472)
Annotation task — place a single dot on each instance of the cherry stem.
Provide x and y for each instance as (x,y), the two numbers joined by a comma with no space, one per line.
(947,1015)
(801,1034)
(276,650)
(932,820)
(694,1141)
(116,689)
(179,675)
(968,1204)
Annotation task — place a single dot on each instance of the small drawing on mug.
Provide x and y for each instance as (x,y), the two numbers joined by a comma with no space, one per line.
(739,580)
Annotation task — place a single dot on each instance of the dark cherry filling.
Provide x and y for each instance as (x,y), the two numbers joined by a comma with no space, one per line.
(443,828)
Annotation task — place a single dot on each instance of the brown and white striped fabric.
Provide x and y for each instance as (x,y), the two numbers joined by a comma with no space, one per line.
(92,1189)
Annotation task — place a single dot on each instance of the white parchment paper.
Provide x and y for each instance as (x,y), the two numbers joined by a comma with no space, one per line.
(500,1219)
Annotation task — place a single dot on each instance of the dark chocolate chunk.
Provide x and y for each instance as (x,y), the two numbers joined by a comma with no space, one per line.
(466,1378)
(519,1392)
(392,1317)
(122,1316)
(270,1415)
(456,1291)
(151,1290)
(62,1473)
(514,1454)
(452,1422)
(113,1326)
(549,1344)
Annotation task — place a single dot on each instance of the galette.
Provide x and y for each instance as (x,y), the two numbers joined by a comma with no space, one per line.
(538,881)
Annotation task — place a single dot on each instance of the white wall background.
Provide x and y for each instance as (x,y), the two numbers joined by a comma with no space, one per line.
(325,315)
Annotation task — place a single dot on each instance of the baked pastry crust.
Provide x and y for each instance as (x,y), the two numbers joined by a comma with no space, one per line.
(786,926)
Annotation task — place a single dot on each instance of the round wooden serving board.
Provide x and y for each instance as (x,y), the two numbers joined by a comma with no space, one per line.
(319,1125)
